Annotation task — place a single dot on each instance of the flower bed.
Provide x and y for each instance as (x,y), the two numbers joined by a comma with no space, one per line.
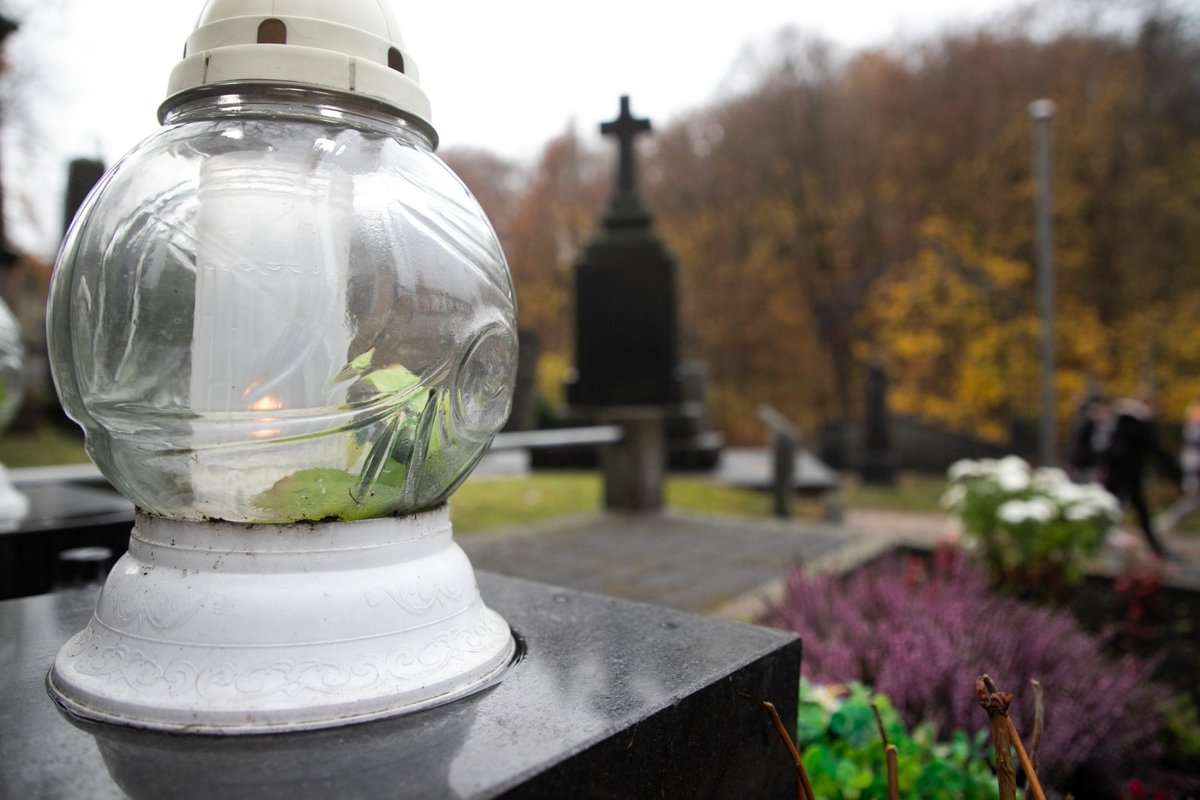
(920,633)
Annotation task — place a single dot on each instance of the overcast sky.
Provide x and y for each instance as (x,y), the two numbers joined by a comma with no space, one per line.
(506,76)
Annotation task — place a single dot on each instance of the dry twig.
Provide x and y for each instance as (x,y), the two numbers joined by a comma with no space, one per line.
(890,757)
(1039,718)
(1035,786)
(893,773)
(803,787)
(879,722)
(996,703)
(1004,735)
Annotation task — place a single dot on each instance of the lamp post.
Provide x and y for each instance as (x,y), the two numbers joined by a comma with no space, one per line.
(1042,113)
(288,332)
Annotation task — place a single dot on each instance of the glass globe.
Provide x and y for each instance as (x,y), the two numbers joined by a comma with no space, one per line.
(282,306)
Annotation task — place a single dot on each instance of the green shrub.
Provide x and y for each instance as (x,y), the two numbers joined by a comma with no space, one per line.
(844,756)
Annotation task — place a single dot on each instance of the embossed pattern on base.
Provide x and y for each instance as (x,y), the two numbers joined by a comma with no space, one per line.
(316,647)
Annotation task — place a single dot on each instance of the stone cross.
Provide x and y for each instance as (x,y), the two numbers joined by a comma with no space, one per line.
(625,127)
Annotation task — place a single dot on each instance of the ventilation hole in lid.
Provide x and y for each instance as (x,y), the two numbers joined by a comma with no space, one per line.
(272,31)
(395,60)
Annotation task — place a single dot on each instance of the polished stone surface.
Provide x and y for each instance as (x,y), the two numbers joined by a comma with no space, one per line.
(612,699)
(61,516)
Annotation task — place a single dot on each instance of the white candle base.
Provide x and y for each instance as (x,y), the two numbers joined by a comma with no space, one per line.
(213,627)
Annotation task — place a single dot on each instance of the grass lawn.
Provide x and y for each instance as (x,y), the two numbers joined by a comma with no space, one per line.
(912,492)
(44,446)
(486,503)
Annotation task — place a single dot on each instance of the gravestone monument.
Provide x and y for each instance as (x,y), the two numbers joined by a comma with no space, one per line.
(878,465)
(524,416)
(626,323)
(7,254)
(82,175)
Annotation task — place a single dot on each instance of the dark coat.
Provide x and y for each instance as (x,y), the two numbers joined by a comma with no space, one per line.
(1131,445)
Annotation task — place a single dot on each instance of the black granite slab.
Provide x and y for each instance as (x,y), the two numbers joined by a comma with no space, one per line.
(612,699)
(61,516)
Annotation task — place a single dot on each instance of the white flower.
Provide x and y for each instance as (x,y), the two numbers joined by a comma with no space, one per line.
(1113,509)
(1069,493)
(827,697)
(1081,512)
(962,469)
(1039,509)
(1010,473)
(1051,479)
(1014,512)
(1091,502)
(1105,501)
(1014,463)
(954,496)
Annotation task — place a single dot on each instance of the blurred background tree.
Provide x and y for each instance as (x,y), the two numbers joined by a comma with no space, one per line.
(880,206)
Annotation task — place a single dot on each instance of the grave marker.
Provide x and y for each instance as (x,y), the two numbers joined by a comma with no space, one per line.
(626,319)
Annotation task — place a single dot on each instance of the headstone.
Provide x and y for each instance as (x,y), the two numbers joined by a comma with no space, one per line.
(625,300)
(82,175)
(878,465)
(63,516)
(926,446)
(7,254)
(79,567)
(626,324)
(635,466)
(832,446)
(524,416)
(1022,436)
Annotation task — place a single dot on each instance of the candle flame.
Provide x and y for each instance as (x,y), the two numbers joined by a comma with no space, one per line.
(266,403)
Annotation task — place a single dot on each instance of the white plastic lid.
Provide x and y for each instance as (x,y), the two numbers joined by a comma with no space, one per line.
(344,45)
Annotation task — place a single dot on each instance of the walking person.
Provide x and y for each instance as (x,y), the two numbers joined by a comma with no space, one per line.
(1089,437)
(1131,444)
(1189,464)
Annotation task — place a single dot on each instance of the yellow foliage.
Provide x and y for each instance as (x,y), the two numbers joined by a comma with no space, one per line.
(953,350)
(883,208)
(552,372)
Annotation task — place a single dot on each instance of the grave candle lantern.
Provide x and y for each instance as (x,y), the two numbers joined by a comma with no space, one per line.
(288,332)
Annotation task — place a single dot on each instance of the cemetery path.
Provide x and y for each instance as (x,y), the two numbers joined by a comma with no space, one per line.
(692,563)
(724,567)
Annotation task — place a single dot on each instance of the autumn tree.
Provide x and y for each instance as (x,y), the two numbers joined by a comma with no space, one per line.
(879,205)
(1125,190)
(788,189)
(498,184)
(549,226)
